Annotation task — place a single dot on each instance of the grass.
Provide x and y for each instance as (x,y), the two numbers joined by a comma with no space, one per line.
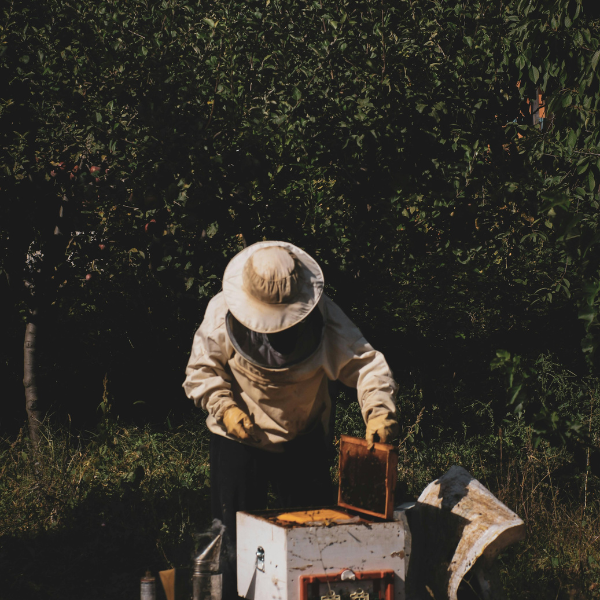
(84,518)
(88,514)
(560,558)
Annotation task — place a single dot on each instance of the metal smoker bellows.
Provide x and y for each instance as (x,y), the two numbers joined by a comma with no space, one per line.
(207,579)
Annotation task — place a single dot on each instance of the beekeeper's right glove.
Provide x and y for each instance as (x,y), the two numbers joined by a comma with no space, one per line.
(383,428)
(238,424)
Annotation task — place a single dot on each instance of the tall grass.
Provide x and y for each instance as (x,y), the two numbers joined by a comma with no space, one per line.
(85,516)
(560,558)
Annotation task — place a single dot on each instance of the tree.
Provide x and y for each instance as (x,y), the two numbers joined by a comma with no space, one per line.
(390,140)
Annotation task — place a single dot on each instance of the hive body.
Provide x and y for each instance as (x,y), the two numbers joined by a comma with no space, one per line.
(294,550)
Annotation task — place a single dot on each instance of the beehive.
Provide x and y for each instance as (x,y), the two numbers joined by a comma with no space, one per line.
(356,550)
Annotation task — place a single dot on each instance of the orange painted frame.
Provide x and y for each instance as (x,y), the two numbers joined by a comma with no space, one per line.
(385,577)
(391,459)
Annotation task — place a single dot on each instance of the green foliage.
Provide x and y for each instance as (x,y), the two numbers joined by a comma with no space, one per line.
(375,137)
(534,396)
(108,505)
(118,463)
(394,142)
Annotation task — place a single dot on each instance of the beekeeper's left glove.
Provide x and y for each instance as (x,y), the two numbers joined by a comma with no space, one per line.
(238,424)
(382,428)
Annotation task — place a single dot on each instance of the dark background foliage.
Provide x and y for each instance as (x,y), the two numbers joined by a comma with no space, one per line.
(146,143)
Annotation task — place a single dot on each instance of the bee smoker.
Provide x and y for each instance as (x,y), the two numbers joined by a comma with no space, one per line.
(207,579)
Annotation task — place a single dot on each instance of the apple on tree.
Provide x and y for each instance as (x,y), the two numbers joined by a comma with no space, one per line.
(151,227)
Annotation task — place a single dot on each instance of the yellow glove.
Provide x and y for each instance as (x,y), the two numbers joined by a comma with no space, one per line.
(384,427)
(238,424)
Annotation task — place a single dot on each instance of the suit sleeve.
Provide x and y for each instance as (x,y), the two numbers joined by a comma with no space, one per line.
(357,364)
(208,380)
(369,373)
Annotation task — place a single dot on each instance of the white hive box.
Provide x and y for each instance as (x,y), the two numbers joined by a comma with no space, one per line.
(336,552)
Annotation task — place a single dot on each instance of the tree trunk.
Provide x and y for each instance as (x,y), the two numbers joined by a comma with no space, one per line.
(40,279)
(34,414)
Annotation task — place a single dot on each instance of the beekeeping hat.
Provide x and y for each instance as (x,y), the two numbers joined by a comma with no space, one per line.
(271,286)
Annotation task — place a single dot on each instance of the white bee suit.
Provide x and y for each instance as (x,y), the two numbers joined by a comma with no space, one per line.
(285,402)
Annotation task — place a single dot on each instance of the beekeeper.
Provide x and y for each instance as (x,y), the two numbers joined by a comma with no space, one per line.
(260,366)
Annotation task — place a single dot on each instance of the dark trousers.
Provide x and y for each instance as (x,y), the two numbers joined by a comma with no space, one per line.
(240,477)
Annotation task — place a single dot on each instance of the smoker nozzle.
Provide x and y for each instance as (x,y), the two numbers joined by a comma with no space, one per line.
(208,560)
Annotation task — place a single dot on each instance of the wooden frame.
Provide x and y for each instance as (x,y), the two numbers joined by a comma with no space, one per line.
(357,465)
(381,579)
